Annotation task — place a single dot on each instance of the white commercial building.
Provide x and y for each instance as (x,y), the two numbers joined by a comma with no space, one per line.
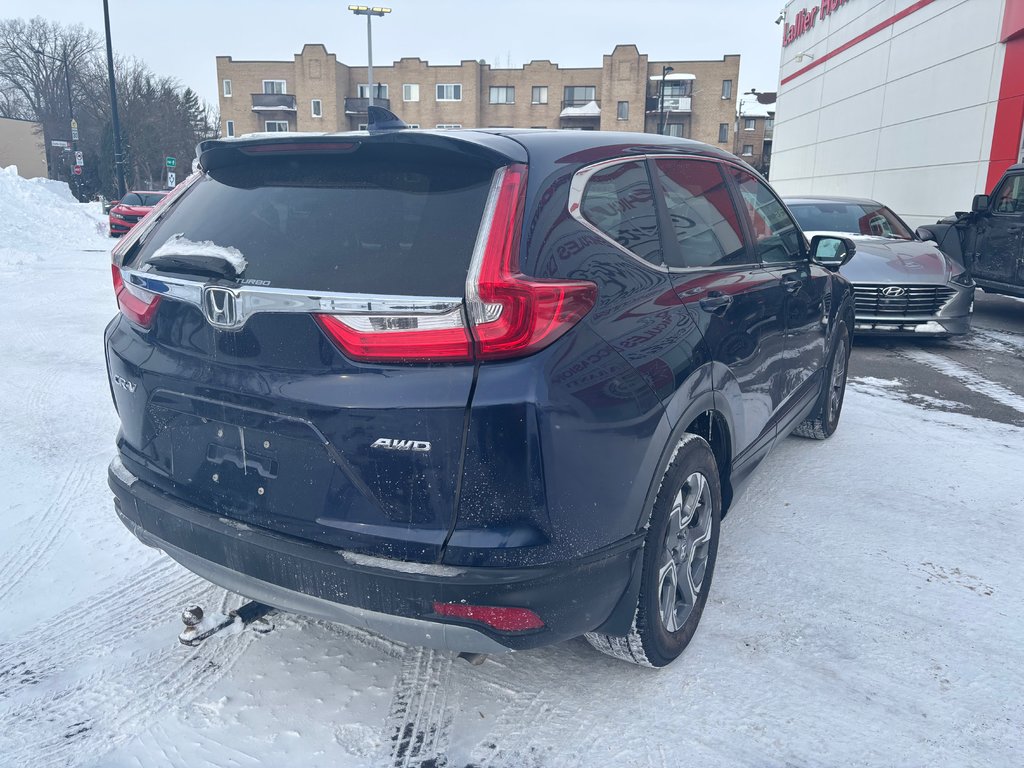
(916,103)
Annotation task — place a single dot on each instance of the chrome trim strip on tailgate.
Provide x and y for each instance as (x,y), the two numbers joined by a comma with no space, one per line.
(251,300)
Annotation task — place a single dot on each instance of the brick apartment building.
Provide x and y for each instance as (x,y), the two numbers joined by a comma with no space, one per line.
(316,92)
(755,128)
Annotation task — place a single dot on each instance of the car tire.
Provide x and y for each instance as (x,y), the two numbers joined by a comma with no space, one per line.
(679,560)
(825,417)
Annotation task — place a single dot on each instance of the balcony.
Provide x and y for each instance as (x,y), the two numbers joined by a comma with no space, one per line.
(273,102)
(356,105)
(589,108)
(671,104)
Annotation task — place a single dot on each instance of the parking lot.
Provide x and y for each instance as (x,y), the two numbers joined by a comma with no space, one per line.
(866,609)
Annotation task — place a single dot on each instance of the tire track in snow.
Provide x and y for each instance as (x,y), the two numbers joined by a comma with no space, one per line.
(96,625)
(419,721)
(969,377)
(96,714)
(39,538)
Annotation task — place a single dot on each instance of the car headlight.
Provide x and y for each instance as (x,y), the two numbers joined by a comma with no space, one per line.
(964,279)
(118,216)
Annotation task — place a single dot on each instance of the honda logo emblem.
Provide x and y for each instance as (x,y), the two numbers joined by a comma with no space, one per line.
(220,307)
(893,291)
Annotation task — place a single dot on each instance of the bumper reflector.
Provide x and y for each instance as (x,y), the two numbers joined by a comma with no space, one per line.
(500,618)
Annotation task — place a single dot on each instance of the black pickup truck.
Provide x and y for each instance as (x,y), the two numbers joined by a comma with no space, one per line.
(989,239)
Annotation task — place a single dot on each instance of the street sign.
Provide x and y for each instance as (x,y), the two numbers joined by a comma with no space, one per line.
(171,162)
(170,179)
(61,144)
(79,160)
(77,170)
(74,130)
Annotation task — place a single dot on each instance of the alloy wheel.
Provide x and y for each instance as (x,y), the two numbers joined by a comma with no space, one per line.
(685,552)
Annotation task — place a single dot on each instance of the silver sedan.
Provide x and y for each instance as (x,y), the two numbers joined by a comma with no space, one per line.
(903,285)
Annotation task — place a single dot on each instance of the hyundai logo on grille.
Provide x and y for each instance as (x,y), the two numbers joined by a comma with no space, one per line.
(893,291)
(220,306)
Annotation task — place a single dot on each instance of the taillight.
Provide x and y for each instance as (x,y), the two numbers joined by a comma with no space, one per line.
(136,304)
(514,315)
(400,338)
(498,617)
(510,314)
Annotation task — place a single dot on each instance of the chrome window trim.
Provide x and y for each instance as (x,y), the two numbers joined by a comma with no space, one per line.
(252,300)
(575,204)
(575,209)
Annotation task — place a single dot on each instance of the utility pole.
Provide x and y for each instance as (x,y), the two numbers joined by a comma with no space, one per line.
(118,155)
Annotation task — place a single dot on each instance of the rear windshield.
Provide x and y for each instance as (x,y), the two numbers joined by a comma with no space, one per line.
(385,219)
(142,198)
(852,218)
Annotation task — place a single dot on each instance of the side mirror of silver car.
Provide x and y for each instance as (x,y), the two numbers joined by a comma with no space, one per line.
(832,252)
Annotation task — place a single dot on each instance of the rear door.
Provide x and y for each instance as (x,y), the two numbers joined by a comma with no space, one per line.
(1000,257)
(732,298)
(243,402)
(802,288)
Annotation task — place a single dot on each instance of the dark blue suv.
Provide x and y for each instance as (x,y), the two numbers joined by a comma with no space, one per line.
(478,390)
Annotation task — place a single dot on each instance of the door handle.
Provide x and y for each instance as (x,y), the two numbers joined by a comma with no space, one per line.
(716,302)
(792,284)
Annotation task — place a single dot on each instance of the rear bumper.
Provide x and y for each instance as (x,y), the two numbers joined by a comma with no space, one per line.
(393,598)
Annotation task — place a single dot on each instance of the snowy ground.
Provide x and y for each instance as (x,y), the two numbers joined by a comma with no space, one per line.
(867,606)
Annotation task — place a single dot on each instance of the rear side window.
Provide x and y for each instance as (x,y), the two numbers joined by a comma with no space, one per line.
(776,235)
(702,214)
(619,202)
(385,219)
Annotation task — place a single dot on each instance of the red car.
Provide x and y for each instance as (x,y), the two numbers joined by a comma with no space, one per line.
(129,209)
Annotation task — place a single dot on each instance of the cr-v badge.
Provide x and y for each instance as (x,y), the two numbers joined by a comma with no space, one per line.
(124,384)
(401,445)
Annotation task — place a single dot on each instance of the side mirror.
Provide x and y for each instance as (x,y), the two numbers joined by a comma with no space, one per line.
(923,233)
(832,252)
(979,204)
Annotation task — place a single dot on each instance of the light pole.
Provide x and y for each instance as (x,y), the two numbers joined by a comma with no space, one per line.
(369,13)
(661,99)
(118,156)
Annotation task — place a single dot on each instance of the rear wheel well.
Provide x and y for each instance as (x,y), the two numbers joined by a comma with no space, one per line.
(712,427)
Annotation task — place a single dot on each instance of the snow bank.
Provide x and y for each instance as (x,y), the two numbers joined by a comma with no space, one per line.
(39,217)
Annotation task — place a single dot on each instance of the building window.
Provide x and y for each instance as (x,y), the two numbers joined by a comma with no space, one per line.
(539,95)
(676,129)
(318,108)
(723,133)
(503,94)
(748,150)
(229,128)
(227,89)
(749,124)
(380,91)
(449,125)
(411,92)
(622,110)
(449,91)
(276,126)
(677,89)
(769,123)
(361,127)
(275,86)
(727,89)
(579,95)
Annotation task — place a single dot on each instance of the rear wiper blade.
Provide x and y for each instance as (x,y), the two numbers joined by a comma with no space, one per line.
(179,254)
(214,266)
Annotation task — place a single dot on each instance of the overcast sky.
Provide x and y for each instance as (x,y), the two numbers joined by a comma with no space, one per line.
(181,38)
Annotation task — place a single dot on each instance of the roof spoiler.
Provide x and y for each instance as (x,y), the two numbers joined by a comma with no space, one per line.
(380,119)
